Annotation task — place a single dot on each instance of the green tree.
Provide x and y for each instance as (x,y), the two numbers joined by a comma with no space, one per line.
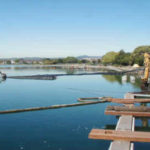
(94,62)
(47,61)
(109,58)
(122,58)
(70,60)
(8,62)
(137,57)
(17,61)
(59,61)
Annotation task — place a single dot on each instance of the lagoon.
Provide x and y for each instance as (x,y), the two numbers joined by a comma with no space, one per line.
(57,129)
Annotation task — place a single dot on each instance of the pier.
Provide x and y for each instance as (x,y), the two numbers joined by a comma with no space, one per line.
(124,133)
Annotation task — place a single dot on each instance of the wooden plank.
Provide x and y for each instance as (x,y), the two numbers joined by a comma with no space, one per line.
(128,101)
(129,108)
(141,111)
(135,114)
(120,135)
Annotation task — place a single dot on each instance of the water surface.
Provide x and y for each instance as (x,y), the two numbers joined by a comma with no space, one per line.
(58,129)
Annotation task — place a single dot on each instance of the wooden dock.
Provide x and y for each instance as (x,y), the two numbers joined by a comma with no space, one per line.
(125,123)
(124,134)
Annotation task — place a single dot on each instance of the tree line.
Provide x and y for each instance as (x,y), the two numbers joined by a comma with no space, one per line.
(67,60)
(111,58)
(125,58)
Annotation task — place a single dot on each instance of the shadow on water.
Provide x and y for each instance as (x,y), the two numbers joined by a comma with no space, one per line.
(133,80)
(113,78)
(70,71)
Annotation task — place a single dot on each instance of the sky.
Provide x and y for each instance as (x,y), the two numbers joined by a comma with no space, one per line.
(60,28)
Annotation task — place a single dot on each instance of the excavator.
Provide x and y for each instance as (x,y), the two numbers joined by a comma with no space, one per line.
(145,79)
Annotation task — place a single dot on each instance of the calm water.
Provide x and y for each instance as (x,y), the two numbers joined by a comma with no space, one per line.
(57,129)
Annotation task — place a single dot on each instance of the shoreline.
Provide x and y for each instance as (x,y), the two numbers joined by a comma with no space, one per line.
(94,69)
(110,67)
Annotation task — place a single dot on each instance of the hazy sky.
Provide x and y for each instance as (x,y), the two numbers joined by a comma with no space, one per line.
(56,28)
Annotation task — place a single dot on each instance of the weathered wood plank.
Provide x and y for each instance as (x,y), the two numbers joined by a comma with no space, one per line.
(128,101)
(120,135)
(135,114)
(140,111)
(129,108)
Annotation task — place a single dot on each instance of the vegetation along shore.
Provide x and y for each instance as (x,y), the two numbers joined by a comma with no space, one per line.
(120,58)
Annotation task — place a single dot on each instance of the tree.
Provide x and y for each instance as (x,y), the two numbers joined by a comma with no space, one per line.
(137,57)
(70,60)
(84,61)
(8,62)
(122,58)
(109,58)
(47,61)
(59,61)
(17,61)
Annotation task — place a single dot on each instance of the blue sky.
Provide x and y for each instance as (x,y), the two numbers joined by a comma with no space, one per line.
(59,28)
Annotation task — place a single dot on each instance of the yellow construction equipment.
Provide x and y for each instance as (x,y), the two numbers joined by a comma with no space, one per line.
(147,68)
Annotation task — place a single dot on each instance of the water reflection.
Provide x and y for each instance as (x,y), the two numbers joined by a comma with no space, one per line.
(70,71)
(134,80)
(113,78)
(2,79)
(36,69)
(45,67)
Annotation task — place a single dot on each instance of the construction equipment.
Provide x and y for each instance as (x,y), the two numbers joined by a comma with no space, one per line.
(147,68)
